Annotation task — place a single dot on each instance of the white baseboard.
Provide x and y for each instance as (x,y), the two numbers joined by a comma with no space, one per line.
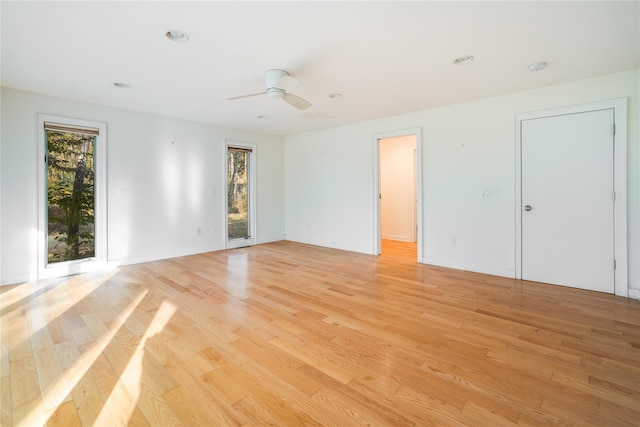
(634,293)
(329,244)
(164,255)
(17,278)
(262,240)
(472,268)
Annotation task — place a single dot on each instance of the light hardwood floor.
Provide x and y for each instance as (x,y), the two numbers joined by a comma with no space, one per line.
(402,250)
(291,334)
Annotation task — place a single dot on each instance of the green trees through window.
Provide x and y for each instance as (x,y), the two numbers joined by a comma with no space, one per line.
(70,195)
(238,193)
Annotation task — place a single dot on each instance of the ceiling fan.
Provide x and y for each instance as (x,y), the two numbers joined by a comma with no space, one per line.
(278,83)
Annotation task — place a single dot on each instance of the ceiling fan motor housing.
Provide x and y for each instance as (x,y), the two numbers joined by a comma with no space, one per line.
(271,77)
(275,92)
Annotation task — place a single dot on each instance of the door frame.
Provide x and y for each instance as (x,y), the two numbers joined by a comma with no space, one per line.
(253,229)
(619,107)
(417,132)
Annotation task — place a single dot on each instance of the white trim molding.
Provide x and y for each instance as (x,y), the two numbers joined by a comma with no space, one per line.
(99,261)
(376,186)
(619,106)
(253,229)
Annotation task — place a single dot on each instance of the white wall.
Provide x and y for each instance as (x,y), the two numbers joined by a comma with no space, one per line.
(165,180)
(467,149)
(397,188)
(328,188)
(327,175)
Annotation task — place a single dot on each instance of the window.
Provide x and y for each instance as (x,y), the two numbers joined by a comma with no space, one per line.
(70,193)
(72,214)
(240,185)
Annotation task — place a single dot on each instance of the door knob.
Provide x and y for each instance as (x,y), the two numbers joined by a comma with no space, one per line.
(527,208)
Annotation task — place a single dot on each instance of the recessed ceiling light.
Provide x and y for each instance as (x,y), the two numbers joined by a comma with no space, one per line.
(122,85)
(335,95)
(463,60)
(537,66)
(177,36)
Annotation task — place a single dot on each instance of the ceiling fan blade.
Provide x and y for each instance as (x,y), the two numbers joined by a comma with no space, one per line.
(247,96)
(296,101)
(287,82)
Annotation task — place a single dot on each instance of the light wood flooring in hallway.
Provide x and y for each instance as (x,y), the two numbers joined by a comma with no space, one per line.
(406,251)
(291,334)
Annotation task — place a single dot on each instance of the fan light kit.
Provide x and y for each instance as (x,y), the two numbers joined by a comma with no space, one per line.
(278,83)
(177,36)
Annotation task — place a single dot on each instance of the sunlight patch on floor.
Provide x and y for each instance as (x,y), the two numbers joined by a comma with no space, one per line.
(125,394)
(62,386)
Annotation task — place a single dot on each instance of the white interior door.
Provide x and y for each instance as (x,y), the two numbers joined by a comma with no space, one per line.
(568,200)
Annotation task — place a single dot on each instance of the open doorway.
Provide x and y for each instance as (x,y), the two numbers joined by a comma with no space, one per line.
(398,195)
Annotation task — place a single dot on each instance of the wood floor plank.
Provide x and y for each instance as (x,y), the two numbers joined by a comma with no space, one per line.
(189,411)
(279,362)
(5,400)
(5,366)
(64,415)
(204,396)
(17,330)
(291,334)
(48,368)
(155,408)
(24,382)
(89,401)
(257,413)
(119,404)
(272,390)
(29,414)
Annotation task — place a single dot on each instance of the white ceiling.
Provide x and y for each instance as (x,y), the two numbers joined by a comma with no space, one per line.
(385,58)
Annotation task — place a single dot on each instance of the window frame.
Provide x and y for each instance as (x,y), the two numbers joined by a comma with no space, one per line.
(253,229)
(99,261)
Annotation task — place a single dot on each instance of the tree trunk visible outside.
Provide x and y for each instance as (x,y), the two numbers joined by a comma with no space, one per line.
(74,213)
(232,194)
